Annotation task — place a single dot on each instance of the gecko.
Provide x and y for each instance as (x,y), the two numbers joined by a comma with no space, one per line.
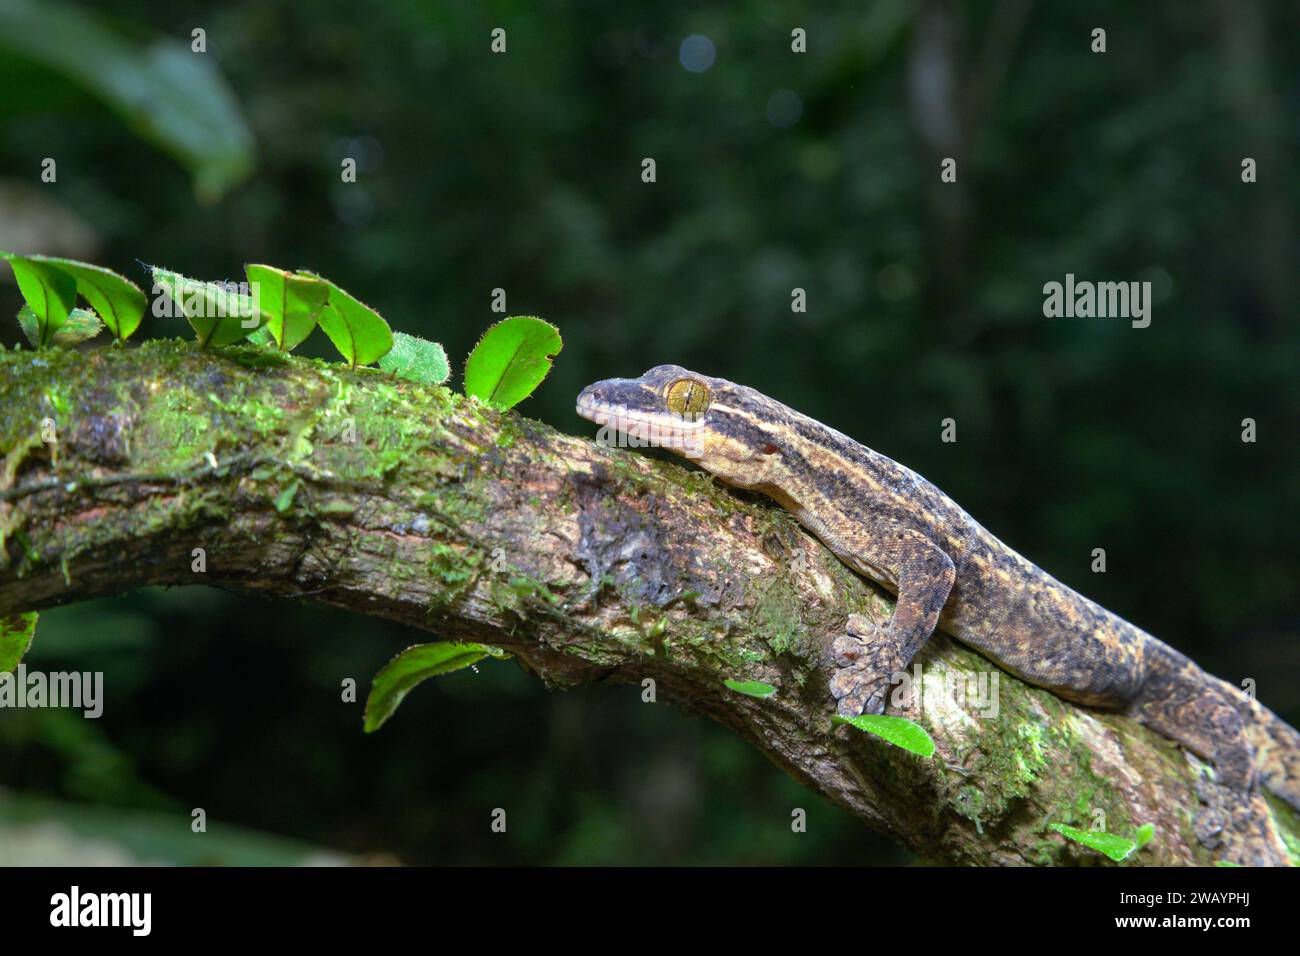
(891,525)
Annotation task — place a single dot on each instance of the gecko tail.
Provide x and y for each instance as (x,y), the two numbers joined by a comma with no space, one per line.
(1246,741)
(1277,751)
(1274,743)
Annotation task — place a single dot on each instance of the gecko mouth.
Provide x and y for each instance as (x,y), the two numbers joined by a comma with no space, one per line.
(623,427)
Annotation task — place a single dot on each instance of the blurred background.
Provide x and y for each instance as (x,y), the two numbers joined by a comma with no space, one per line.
(776,171)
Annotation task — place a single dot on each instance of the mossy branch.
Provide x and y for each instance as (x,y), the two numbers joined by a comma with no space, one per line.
(299,478)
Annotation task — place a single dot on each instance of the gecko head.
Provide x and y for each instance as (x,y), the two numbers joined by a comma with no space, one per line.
(730,430)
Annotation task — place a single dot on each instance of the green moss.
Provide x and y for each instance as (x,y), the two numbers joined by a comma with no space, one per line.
(528,587)
(454,567)
(688,637)
(466,506)
(1288,825)
(1027,762)
(58,404)
(508,432)
(778,617)
(177,432)
(455,570)
(284,500)
(969,803)
(1019,753)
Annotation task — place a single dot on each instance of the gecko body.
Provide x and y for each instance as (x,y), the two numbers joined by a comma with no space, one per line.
(893,526)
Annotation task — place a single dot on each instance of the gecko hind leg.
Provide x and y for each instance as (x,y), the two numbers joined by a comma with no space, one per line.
(1182,705)
(1234,820)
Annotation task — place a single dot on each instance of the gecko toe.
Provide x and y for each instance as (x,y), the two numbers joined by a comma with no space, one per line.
(851,704)
(1208,827)
(845,681)
(859,689)
(860,626)
(847,650)
(876,703)
(853,646)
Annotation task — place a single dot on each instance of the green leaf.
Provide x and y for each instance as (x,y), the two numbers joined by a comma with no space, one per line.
(165,92)
(899,731)
(290,302)
(414,665)
(1225,863)
(262,336)
(511,359)
(754,688)
(1116,847)
(28,323)
(416,359)
(357,331)
(16,634)
(216,312)
(50,294)
(1144,834)
(82,324)
(118,300)
(284,500)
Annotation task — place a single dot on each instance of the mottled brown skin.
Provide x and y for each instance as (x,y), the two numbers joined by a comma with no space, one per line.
(891,525)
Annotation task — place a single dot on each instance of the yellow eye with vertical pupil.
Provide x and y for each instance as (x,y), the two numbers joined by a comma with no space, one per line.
(687,396)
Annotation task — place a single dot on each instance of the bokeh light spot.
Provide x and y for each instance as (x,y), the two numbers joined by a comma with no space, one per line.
(784,107)
(697,53)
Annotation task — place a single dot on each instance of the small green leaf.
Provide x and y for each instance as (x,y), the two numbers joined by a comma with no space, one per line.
(1144,834)
(50,293)
(1225,863)
(82,325)
(30,326)
(899,731)
(262,336)
(1116,847)
(754,688)
(118,300)
(284,500)
(217,313)
(16,634)
(357,331)
(414,665)
(291,302)
(511,359)
(417,360)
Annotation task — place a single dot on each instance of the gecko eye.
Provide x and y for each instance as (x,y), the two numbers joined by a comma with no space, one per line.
(687,396)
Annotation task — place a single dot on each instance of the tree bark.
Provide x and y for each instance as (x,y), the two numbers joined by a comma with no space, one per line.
(263,473)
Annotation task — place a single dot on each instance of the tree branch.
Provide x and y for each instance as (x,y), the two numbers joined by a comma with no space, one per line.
(299,478)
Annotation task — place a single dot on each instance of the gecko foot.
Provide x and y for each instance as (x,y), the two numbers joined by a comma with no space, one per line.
(1236,825)
(865,667)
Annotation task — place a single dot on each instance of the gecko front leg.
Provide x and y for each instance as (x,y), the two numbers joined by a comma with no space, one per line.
(868,657)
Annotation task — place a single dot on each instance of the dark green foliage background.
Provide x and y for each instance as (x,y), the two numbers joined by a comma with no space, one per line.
(522,172)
